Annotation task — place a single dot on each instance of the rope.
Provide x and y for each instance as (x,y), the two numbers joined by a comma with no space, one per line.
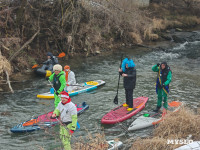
(160,82)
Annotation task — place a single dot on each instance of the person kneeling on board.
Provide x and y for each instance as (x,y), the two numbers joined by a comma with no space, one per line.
(59,82)
(162,84)
(70,79)
(128,71)
(68,115)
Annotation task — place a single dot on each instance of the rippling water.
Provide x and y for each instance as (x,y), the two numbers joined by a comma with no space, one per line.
(184,60)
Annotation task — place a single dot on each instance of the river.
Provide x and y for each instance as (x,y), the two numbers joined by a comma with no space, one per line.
(184,60)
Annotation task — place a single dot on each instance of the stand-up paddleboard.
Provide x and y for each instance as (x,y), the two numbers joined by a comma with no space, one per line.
(43,121)
(80,88)
(114,144)
(191,146)
(120,113)
(153,118)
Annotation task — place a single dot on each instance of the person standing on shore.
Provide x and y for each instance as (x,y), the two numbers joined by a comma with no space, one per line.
(162,84)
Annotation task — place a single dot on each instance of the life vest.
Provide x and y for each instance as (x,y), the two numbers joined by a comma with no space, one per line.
(54,60)
(56,82)
(162,77)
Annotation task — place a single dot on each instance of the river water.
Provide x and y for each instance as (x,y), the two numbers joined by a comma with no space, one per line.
(184,60)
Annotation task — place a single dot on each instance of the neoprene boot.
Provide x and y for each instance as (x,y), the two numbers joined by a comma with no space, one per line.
(129,109)
(125,105)
(157,109)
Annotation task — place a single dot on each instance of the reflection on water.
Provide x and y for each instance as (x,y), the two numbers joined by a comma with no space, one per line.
(183,59)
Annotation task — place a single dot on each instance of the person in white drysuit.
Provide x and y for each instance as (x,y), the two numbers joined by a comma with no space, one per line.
(70,79)
(68,117)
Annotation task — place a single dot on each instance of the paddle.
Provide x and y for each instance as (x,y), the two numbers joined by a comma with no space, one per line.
(73,85)
(59,56)
(116,97)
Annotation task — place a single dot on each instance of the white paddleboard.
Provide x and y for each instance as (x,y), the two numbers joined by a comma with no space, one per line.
(192,146)
(153,118)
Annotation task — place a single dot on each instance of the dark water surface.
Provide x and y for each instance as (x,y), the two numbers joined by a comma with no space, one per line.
(184,60)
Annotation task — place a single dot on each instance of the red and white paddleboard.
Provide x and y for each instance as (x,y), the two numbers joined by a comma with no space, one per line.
(120,113)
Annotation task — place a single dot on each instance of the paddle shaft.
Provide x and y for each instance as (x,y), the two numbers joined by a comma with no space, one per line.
(73,85)
(52,85)
(118,84)
(73,134)
(116,97)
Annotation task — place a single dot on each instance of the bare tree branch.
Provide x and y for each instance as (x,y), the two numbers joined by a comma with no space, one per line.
(27,43)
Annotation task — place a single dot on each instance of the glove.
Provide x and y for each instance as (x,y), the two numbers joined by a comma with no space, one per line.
(72,128)
(53,116)
(57,93)
(47,78)
(158,64)
(71,132)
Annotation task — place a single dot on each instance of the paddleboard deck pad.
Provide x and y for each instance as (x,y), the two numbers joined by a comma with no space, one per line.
(43,121)
(120,113)
(152,118)
(80,88)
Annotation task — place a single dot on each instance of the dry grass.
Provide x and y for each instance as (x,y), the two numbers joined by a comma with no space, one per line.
(180,125)
(4,65)
(151,144)
(96,142)
(136,37)
(177,125)
(189,20)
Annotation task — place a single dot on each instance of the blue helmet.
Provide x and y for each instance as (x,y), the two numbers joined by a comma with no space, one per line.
(49,54)
(129,62)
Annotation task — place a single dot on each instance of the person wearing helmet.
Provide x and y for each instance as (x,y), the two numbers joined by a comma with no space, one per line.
(70,79)
(59,82)
(128,71)
(68,116)
(51,61)
(162,84)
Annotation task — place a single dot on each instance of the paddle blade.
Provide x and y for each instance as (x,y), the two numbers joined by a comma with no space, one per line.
(35,66)
(116,100)
(78,125)
(31,122)
(61,55)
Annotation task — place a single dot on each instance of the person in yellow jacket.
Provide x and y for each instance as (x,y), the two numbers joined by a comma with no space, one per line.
(59,83)
(68,116)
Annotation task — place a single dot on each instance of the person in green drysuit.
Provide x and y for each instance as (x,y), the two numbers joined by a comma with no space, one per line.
(59,83)
(68,117)
(162,84)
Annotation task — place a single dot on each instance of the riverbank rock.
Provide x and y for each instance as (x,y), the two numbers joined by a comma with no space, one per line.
(181,37)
